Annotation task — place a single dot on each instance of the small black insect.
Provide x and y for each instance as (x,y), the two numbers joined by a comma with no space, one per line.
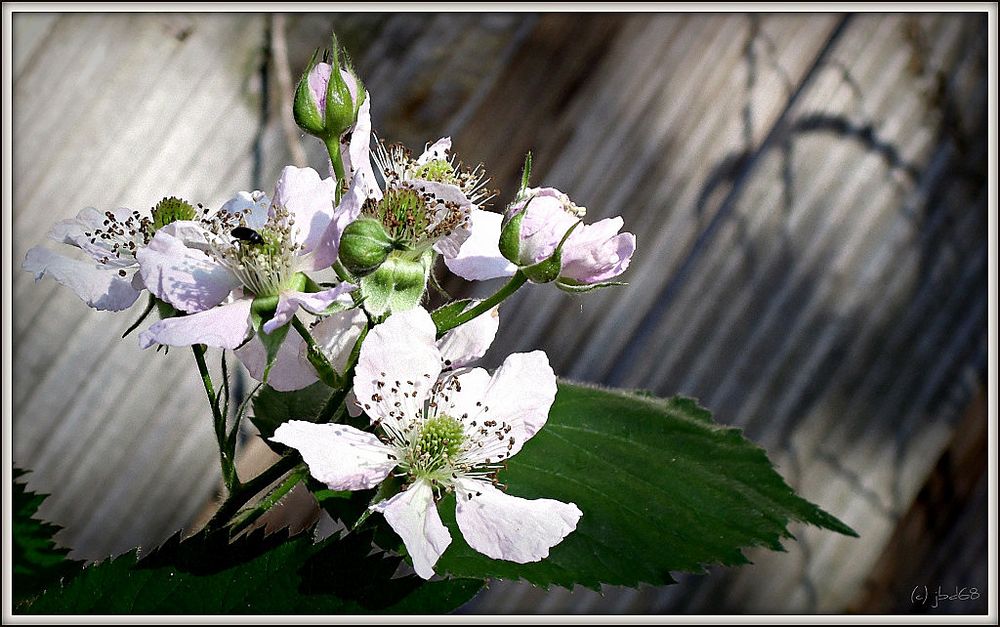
(247,234)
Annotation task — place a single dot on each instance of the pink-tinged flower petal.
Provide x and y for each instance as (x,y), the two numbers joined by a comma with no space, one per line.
(357,163)
(414,517)
(185,277)
(336,335)
(399,362)
(437,150)
(328,246)
(479,257)
(506,527)
(253,206)
(451,243)
(319,78)
(224,327)
(290,371)
(313,302)
(97,285)
(596,252)
(465,344)
(340,456)
(309,199)
(544,224)
(521,393)
(74,231)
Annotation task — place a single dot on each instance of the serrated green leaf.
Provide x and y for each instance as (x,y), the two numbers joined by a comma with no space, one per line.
(36,560)
(259,575)
(662,489)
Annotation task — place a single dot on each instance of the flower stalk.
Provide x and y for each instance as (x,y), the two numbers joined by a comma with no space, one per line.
(482,307)
(226,451)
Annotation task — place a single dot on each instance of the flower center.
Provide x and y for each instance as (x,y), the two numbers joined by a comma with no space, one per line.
(262,259)
(403,213)
(438,170)
(436,448)
(167,211)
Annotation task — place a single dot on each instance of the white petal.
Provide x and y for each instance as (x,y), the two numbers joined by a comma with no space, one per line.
(100,286)
(465,403)
(510,528)
(253,205)
(340,456)
(545,223)
(185,277)
(597,252)
(450,244)
(437,150)
(479,257)
(313,302)
(310,201)
(327,247)
(400,354)
(225,327)
(73,231)
(336,334)
(413,515)
(291,370)
(357,162)
(467,343)
(521,394)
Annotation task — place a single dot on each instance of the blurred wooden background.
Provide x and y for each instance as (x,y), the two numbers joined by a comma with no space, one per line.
(809,194)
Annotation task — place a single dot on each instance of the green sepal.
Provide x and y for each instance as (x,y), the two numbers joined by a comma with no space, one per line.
(510,238)
(305,109)
(364,246)
(525,172)
(262,310)
(165,309)
(150,304)
(397,285)
(574,287)
(445,314)
(546,270)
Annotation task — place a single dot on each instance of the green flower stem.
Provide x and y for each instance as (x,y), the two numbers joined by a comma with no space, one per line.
(248,516)
(332,411)
(333,149)
(327,373)
(226,460)
(502,294)
(345,276)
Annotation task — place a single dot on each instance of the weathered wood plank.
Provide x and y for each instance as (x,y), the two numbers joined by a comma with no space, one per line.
(120,437)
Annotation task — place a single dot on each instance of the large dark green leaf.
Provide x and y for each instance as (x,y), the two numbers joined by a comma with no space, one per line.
(662,489)
(259,575)
(271,408)
(37,561)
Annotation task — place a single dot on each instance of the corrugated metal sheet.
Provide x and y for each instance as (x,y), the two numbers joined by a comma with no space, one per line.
(808,193)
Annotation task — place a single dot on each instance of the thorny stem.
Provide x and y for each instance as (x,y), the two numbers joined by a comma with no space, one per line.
(502,294)
(229,476)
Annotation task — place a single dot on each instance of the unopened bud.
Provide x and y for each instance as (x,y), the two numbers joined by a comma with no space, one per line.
(364,246)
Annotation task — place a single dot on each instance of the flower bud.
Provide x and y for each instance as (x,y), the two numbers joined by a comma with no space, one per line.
(364,246)
(544,235)
(326,102)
